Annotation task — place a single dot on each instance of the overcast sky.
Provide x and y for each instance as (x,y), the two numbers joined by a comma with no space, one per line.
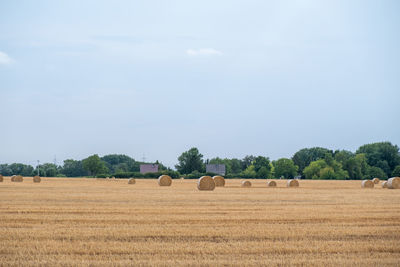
(229,77)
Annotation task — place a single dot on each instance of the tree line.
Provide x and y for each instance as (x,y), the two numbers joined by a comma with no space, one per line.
(380,160)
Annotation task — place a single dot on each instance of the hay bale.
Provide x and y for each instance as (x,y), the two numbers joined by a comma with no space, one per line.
(367,184)
(271,184)
(17,178)
(164,180)
(384,184)
(37,179)
(394,183)
(246,184)
(219,180)
(131,181)
(206,183)
(376,180)
(1,178)
(293,183)
(113,178)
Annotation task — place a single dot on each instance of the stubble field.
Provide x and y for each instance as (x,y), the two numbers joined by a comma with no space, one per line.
(84,222)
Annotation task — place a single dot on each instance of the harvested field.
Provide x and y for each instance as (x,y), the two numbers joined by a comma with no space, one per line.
(86,222)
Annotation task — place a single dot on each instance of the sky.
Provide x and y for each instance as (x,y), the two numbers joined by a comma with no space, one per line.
(233,78)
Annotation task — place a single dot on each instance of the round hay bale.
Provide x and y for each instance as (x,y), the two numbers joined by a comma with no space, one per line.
(17,178)
(113,178)
(367,184)
(164,180)
(219,180)
(292,183)
(37,179)
(394,183)
(376,180)
(271,184)
(1,178)
(384,184)
(206,183)
(132,181)
(246,184)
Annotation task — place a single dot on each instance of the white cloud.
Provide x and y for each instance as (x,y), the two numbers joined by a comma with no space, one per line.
(5,59)
(203,52)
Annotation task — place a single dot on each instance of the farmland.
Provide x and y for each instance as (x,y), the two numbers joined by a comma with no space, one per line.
(69,222)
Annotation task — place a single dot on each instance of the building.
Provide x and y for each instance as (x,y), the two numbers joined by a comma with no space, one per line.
(145,168)
(216,168)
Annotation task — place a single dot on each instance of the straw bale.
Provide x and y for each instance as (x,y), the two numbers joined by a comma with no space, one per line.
(219,180)
(292,183)
(206,183)
(394,183)
(376,180)
(367,184)
(246,184)
(164,180)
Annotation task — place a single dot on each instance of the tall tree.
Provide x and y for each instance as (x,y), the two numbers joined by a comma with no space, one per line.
(190,161)
(382,154)
(94,165)
(285,167)
(305,156)
(73,168)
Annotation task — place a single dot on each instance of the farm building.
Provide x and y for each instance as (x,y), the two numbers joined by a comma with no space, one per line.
(216,168)
(145,168)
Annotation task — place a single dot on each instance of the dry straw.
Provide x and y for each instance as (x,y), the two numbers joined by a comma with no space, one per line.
(271,184)
(164,180)
(384,184)
(376,180)
(1,178)
(37,179)
(132,181)
(219,180)
(206,183)
(394,183)
(292,183)
(17,178)
(246,183)
(367,184)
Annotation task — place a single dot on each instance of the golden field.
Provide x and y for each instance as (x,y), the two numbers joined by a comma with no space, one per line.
(91,222)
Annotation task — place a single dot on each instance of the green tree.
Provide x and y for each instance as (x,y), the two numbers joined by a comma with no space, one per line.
(247,161)
(396,171)
(190,161)
(73,168)
(320,169)
(48,170)
(249,172)
(305,156)
(373,172)
(262,167)
(20,169)
(94,165)
(383,155)
(285,167)
(236,165)
(120,163)
(5,170)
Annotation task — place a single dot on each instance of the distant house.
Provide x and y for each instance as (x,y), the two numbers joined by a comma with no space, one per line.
(216,168)
(145,168)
